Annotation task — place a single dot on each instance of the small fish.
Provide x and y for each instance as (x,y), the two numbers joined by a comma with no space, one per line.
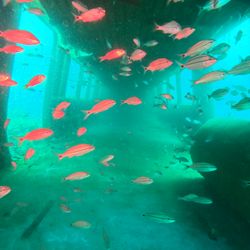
(126,69)
(220,49)
(211,77)
(92,15)
(4,77)
(241,68)
(167,96)
(158,64)
(24,1)
(77,176)
(137,55)
(196,199)
(125,74)
(29,153)
(35,81)
(137,42)
(238,36)
(14,165)
(143,180)
(113,54)
(243,104)
(171,28)
(199,48)
(181,159)
(78,150)
(58,112)
(203,167)
(174,1)
(35,11)
(81,224)
(6,123)
(8,83)
(219,93)
(132,101)
(184,33)
(4,190)
(106,160)
(190,97)
(11,49)
(159,217)
(199,62)
(19,36)
(151,43)
(81,131)
(65,208)
(99,107)
(37,134)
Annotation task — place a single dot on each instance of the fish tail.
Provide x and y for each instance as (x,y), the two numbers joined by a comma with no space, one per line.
(101,58)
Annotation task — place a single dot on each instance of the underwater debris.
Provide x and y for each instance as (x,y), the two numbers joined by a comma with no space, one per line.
(29,153)
(159,217)
(37,221)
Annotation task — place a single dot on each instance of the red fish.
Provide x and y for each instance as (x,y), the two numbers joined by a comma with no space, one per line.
(58,114)
(11,49)
(4,77)
(159,64)
(62,105)
(171,28)
(77,176)
(19,36)
(14,165)
(37,134)
(137,42)
(79,7)
(35,81)
(113,54)
(30,152)
(132,101)
(58,111)
(137,55)
(6,123)
(77,150)
(92,15)
(184,33)
(4,190)
(36,11)
(24,1)
(8,83)
(99,107)
(81,131)
(106,160)
(143,180)
(167,96)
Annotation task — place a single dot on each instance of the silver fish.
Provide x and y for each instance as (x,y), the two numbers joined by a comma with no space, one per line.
(243,104)
(241,69)
(159,217)
(211,77)
(196,199)
(199,62)
(203,167)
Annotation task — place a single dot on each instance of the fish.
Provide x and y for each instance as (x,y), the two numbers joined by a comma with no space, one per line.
(38,79)
(137,55)
(106,160)
(24,1)
(211,77)
(151,43)
(4,77)
(99,107)
(79,6)
(11,49)
(220,49)
(190,97)
(4,190)
(36,11)
(58,111)
(125,74)
(14,165)
(199,62)
(184,33)
(219,93)
(174,1)
(65,208)
(198,48)
(113,54)
(238,36)
(81,131)
(132,101)
(92,15)
(243,104)
(78,150)
(77,176)
(143,180)
(137,42)
(8,83)
(126,69)
(58,114)
(81,224)
(213,5)
(6,123)
(159,217)
(6,2)
(171,28)
(196,199)
(158,64)
(167,96)
(241,68)
(203,167)
(35,135)
(29,153)
(19,36)
(245,183)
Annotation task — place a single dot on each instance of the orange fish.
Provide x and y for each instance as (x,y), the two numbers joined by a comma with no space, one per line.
(99,107)
(113,54)
(132,101)
(11,49)
(19,36)
(171,28)
(24,1)
(184,33)
(37,134)
(58,114)
(77,150)
(137,42)
(81,224)
(62,105)
(36,11)
(106,160)
(159,64)
(143,180)
(58,111)
(137,55)
(8,83)
(35,81)
(65,208)
(79,7)
(29,153)
(77,176)
(92,15)
(81,131)
(6,123)
(4,190)
(4,77)
(167,96)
